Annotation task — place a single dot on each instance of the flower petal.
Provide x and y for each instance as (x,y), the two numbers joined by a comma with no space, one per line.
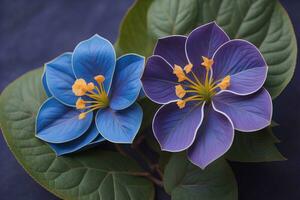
(45,85)
(57,123)
(204,41)
(248,113)
(172,49)
(214,138)
(159,81)
(60,78)
(175,129)
(127,81)
(75,145)
(97,140)
(244,63)
(92,57)
(119,126)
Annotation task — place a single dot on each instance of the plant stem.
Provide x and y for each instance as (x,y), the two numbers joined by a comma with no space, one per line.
(152,167)
(120,150)
(155,181)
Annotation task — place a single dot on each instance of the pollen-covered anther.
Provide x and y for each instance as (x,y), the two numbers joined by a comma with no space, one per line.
(99,79)
(178,71)
(90,86)
(180,91)
(188,68)
(225,83)
(81,115)
(79,87)
(207,63)
(181,103)
(80,104)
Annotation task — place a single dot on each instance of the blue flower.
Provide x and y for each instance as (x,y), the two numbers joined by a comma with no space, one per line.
(91,97)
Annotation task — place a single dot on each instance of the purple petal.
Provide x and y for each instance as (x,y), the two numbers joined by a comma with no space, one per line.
(172,49)
(214,138)
(159,81)
(175,129)
(248,113)
(244,63)
(204,41)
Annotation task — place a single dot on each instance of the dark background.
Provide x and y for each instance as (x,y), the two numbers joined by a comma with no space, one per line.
(34,32)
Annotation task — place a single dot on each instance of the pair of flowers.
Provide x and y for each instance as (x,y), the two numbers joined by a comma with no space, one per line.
(208,84)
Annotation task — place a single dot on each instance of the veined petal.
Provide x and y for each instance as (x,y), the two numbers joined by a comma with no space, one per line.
(45,85)
(248,113)
(60,78)
(204,41)
(245,65)
(214,138)
(75,145)
(92,57)
(57,123)
(172,49)
(119,126)
(175,129)
(97,140)
(159,81)
(127,81)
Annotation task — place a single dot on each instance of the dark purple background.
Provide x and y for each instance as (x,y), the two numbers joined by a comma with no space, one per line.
(33,32)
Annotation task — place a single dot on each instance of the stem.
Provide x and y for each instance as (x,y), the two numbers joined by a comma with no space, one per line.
(159,172)
(155,180)
(120,150)
(150,177)
(152,167)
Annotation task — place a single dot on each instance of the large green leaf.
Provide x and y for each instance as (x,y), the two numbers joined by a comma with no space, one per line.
(134,32)
(185,181)
(255,147)
(265,23)
(91,174)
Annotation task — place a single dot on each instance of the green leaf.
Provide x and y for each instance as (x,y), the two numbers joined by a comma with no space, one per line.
(265,23)
(258,146)
(134,35)
(185,181)
(90,174)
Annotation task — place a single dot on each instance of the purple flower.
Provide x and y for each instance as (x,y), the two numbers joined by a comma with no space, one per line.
(209,86)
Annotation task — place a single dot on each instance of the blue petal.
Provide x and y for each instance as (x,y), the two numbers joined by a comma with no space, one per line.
(92,57)
(98,139)
(45,85)
(127,81)
(119,126)
(57,123)
(60,78)
(64,148)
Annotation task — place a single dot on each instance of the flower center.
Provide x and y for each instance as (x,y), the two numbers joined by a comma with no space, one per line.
(190,88)
(96,95)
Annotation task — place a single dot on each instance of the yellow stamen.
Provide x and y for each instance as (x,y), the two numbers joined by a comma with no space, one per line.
(99,79)
(225,83)
(81,115)
(79,87)
(180,104)
(80,104)
(188,68)
(90,86)
(178,71)
(207,63)
(180,92)
(97,93)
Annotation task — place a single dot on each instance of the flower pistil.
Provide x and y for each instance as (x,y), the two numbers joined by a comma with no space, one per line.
(96,95)
(198,90)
